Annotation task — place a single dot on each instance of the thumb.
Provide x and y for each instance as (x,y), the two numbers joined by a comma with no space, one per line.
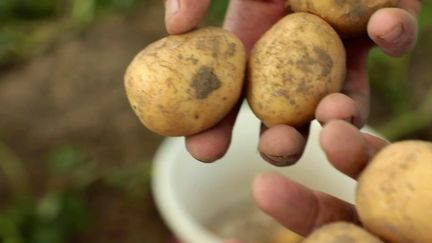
(184,15)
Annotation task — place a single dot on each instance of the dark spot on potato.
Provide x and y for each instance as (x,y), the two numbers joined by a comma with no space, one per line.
(231,50)
(162,109)
(193,60)
(292,102)
(260,105)
(196,117)
(212,45)
(303,88)
(204,82)
(410,186)
(324,60)
(305,64)
(355,8)
(298,43)
(388,189)
(170,84)
(224,98)
(343,239)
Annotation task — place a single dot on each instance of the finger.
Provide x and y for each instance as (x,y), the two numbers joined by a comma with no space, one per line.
(213,143)
(184,15)
(282,145)
(249,19)
(348,149)
(352,104)
(296,207)
(339,106)
(394,30)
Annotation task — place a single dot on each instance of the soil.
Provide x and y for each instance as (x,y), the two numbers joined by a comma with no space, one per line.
(74,94)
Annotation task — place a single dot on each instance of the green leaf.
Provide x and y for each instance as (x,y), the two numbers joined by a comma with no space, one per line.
(49,207)
(218,8)
(66,158)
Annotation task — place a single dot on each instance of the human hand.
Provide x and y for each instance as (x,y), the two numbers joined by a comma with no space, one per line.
(302,209)
(394,30)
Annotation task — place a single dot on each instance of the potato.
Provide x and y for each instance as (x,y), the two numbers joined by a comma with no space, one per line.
(284,235)
(348,17)
(341,232)
(292,67)
(184,84)
(394,194)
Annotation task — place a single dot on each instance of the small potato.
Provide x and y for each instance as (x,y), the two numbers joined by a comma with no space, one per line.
(184,84)
(348,17)
(394,194)
(292,67)
(341,232)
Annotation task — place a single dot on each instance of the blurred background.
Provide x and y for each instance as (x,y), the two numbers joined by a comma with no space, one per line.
(74,160)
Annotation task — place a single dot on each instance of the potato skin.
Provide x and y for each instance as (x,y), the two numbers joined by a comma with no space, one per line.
(292,67)
(184,84)
(341,232)
(348,17)
(394,194)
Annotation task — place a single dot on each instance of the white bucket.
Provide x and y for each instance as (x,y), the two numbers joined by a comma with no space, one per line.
(188,193)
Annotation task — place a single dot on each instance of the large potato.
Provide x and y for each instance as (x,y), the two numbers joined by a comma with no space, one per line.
(183,84)
(394,194)
(348,17)
(341,232)
(292,67)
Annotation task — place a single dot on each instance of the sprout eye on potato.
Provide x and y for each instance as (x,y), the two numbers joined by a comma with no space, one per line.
(184,84)
(348,17)
(292,67)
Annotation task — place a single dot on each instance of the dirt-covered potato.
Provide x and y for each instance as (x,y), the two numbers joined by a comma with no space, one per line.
(348,17)
(341,232)
(183,84)
(394,194)
(292,67)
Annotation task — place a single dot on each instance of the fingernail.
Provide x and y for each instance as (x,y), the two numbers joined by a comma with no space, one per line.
(281,160)
(393,35)
(172,7)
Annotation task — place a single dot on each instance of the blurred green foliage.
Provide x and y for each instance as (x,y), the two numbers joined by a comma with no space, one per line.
(218,8)
(54,216)
(27,26)
(390,78)
(61,211)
